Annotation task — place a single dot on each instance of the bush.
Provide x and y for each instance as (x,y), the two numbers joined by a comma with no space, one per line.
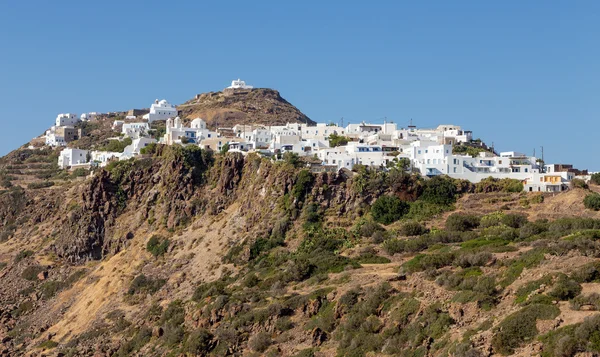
(117,145)
(579,183)
(565,288)
(491,184)
(595,178)
(31,272)
(304,182)
(532,228)
(388,209)
(79,172)
(38,185)
(22,255)
(514,220)
(142,284)
(367,229)
(260,342)
(520,327)
(592,201)
(439,190)
(423,262)
(198,343)
(412,228)
(338,140)
(462,222)
(157,245)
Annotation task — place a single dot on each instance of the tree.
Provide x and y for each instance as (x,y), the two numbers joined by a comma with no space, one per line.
(224,148)
(338,140)
(595,179)
(439,190)
(388,209)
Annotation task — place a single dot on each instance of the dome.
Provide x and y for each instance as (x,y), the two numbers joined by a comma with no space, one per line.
(197,123)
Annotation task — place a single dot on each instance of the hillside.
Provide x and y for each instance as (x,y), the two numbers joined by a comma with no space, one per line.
(242,106)
(184,252)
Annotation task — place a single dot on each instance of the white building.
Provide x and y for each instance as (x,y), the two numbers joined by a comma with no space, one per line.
(136,145)
(135,130)
(89,116)
(54,139)
(239,84)
(161,110)
(176,133)
(66,119)
(69,157)
(102,158)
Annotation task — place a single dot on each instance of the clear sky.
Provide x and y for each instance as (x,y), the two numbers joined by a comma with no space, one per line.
(520,74)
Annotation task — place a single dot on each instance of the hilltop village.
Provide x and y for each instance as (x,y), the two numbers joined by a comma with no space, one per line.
(445,150)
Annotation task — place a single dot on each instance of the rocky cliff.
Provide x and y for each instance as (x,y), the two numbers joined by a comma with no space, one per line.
(185,252)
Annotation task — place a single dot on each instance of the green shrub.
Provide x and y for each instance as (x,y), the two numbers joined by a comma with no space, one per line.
(157,245)
(198,343)
(117,145)
(412,229)
(369,256)
(491,184)
(532,229)
(423,262)
(565,288)
(592,299)
(592,201)
(571,339)
(79,172)
(514,220)
(520,327)
(31,272)
(260,342)
(579,183)
(388,209)
(367,228)
(212,289)
(142,284)
(462,222)
(47,345)
(595,178)
(338,140)
(22,255)
(303,184)
(440,190)
(139,340)
(38,185)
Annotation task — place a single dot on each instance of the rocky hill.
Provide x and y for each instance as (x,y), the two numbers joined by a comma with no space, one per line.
(242,106)
(184,252)
(187,252)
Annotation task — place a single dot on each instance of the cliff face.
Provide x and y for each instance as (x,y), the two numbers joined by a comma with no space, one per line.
(255,106)
(186,252)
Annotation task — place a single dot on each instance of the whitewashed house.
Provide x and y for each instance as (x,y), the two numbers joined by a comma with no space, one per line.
(136,145)
(176,133)
(53,138)
(69,157)
(160,110)
(66,119)
(89,116)
(102,158)
(239,84)
(135,130)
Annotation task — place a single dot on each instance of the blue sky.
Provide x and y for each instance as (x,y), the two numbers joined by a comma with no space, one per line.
(520,74)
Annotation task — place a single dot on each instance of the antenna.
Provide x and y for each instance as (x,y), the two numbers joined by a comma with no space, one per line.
(544,162)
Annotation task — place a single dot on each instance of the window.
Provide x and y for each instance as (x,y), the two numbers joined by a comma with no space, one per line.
(426,151)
